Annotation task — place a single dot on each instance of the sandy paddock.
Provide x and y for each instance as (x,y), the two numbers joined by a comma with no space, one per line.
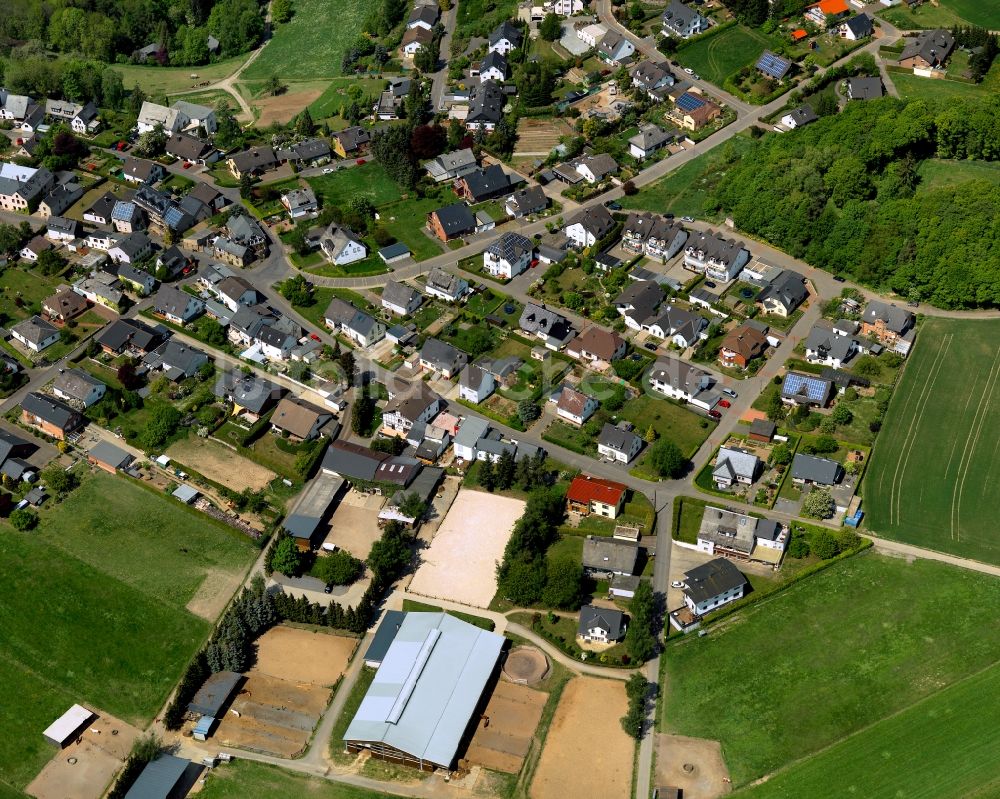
(103,746)
(706,777)
(354,524)
(460,564)
(283,107)
(214,593)
(513,713)
(220,464)
(586,730)
(303,656)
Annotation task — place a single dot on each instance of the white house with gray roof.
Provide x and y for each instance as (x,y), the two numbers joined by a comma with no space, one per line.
(683,21)
(35,333)
(440,356)
(341,246)
(617,444)
(445,285)
(475,383)
(735,466)
(508,256)
(79,386)
(342,317)
(825,346)
(681,381)
(715,256)
(401,299)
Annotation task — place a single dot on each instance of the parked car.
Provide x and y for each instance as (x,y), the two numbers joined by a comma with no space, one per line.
(687,219)
(725,404)
(614,205)
(689,71)
(676,584)
(187,164)
(838,279)
(649,345)
(709,284)
(328,170)
(730,393)
(715,414)
(360,161)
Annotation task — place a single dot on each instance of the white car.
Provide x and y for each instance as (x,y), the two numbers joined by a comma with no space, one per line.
(730,392)
(689,71)
(328,170)
(687,219)
(677,584)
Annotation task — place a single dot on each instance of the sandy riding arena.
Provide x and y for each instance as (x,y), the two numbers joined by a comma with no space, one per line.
(503,735)
(694,765)
(586,730)
(303,656)
(220,464)
(460,563)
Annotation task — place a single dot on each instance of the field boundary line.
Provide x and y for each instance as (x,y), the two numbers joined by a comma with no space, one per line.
(970,450)
(895,491)
(965,410)
(867,727)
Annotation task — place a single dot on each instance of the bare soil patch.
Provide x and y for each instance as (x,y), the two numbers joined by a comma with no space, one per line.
(694,765)
(503,736)
(220,464)
(354,524)
(98,753)
(214,592)
(525,665)
(540,135)
(460,563)
(587,753)
(283,107)
(303,655)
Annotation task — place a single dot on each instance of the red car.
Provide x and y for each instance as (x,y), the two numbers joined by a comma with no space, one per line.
(187,164)
(724,404)
(360,161)
(715,414)
(314,337)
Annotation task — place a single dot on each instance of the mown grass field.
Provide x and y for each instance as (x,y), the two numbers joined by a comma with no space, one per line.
(683,191)
(368,180)
(158,81)
(945,14)
(931,483)
(244,778)
(828,657)
(943,747)
(944,90)
(312,43)
(936,173)
(719,56)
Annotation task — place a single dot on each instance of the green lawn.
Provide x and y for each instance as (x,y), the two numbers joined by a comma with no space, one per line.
(30,288)
(312,44)
(143,538)
(479,17)
(831,655)
(334,97)
(322,297)
(719,56)
(943,90)
(361,685)
(942,747)
(669,420)
(683,192)
(369,180)
(937,173)
(929,483)
(244,778)
(158,81)
(945,14)
(405,220)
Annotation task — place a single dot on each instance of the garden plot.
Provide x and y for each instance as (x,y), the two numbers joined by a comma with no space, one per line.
(460,564)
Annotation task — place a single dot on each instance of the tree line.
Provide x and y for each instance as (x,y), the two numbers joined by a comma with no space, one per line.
(846,194)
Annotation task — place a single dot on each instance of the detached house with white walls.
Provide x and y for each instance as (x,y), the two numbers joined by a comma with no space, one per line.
(508,256)
(715,256)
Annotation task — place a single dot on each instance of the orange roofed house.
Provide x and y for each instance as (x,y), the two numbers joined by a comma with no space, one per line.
(589,494)
(826,9)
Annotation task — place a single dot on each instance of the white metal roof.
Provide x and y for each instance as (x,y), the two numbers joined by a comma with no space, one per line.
(428,686)
(67,724)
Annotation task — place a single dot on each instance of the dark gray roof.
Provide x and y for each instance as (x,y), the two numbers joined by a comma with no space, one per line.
(10,443)
(933,46)
(428,12)
(803,115)
(763,427)
(860,25)
(602,553)
(897,319)
(494,59)
(399,294)
(456,219)
(611,621)
(214,693)
(487,182)
(384,635)
(615,438)
(50,410)
(108,453)
(124,331)
(443,355)
(510,247)
(827,344)
(679,16)
(506,30)
(159,778)
(352,460)
(486,102)
(539,319)
(596,220)
(711,579)
(815,470)
(248,391)
(789,288)
(865,88)
(529,200)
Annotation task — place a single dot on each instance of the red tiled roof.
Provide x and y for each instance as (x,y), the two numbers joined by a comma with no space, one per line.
(831,6)
(798,34)
(587,489)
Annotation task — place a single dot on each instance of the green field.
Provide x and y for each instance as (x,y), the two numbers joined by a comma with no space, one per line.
(719,56)
(945,14)
(244,778)
(937,173)
(312,44)
(670,420)
(159,81)
(933,484)
(683,191)
(828,657)
(944,90)
(943,747)
(479,17)
(369,180)
(335,96)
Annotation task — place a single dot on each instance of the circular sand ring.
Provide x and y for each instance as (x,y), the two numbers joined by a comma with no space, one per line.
(525,665)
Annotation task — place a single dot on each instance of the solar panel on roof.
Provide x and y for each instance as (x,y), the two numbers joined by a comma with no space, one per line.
(773,65)
(173,216)
(688,102)
(811,387)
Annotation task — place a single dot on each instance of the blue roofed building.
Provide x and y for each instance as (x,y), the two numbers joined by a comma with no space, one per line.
(773,66)
(803,389)
(159,778)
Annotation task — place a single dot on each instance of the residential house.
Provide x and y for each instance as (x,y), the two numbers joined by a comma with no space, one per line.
(138,280)
(235,291)
(208,194)
(681,381)
(475,383)
(605,557)
(508,256)
(246,232)
(59,228)
(783,295)
(228,251)
(693,112)
(255,161)
(615,49)
(531,200)
(856,28)
(401,299)
(60,199)
(653,235)
(305,152)
(824,346)
(715,256)
(710,586)
(340,245)
(683,21)
(451,222)
(176,305)
(446,286)
(888,323)
(35,247)
(191,150)
(575,406)
(813,471)
(649,140)
(101,288)
(134,247)
(127,217)
(64,305)
(773,66)
(173,262)
(51,416)
(741,536)
(425,15)
(597,345)
(13,107)
(99,212)
(363,329)
(826,12)
(564,8)
(741,345)
(865,88)
(543,323)
(22,187)
(76,385)
(493,67)
(654,78)
(595,168)
(298,419)
(300,203)
(130,335)
(404,412)
(468,437)
(684,328)
(601,625)
(440,356)
(351,142)
(485,184)
(588,494)
(735,466)
(82,118)
(200,118)
(505,37)
(590,35)
(486,104)
(798,117)
(153,115)
(415,39)
(589,226)
(450,166)
(806,390)
(161,209)
(638,302)
(35,334)
(176,360)
(251,395)
(927,52)
(139,170)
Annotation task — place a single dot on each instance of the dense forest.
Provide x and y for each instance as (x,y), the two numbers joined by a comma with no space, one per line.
(846,194)
(114,30)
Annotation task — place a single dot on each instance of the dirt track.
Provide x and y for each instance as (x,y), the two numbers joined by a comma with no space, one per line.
(587,753)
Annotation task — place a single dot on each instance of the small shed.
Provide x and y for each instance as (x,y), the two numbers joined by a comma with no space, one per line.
(203,729)
(762,430)
(65,728)
(213,695)
(394,252)
(185,494)
(159,778)
(108,457)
